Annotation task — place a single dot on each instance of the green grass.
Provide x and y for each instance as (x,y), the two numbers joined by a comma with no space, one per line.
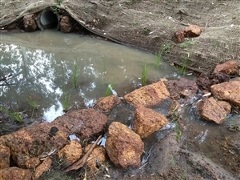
(66,102)
(15,116)
(144,75)
(183,69)
(33,105)
(75,76)
(166,48)
(186,44)
(109,90)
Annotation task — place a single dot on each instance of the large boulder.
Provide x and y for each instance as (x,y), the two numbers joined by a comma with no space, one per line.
(228,91)
(124,147)
(211,109)
(149,95)
(147,121)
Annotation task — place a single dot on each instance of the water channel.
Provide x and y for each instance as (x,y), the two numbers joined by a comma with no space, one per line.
(48,68)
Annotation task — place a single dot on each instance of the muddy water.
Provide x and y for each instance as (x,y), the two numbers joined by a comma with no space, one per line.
(51,71)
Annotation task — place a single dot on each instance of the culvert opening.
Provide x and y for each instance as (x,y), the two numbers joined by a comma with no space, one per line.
(48,20)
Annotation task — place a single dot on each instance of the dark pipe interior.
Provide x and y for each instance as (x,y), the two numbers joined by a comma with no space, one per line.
(49,20)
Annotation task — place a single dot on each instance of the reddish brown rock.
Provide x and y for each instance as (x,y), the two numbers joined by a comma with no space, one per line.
(179,36)
(45,166)
(205,81)
(71,152)
(4,157)
(66,24)
(229,67)
(181,88)
(88,122)
(29,23)
(96,158)
(148,121)
(192,31)
(39,139)
(14,173)
(32,163)
(213,110)
(228,91)
(124,147)
(149,95)
(105,104)
(32,141)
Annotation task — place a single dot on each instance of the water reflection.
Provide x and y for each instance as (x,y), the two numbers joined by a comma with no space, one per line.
(47,66)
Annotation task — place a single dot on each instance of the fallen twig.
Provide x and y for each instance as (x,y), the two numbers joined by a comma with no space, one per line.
(81,162)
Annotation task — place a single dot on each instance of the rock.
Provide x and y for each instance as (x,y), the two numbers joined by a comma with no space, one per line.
(147,121)
(32,163)
(71,152)
(213,110)
(105,104)
(149,95)
(181,88)
(124,147)
(39,139)
(65,24)
(88,122)
(33,141)
(45,166)
(179,36)
(228,91)
(192,31)
(205,81)
(96,158)
(29,23)
(229,67)
(14,173)
(4,157)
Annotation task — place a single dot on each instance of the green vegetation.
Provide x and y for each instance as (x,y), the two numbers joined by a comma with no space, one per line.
(15,116)
(163,50)
(109,90)
(66,102)
(75,76)
(178,132)
(175,119)
(183,69)
(144,74)
(33,104)
(187,44)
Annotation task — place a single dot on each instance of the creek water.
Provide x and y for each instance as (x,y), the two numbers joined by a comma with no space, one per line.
(50,71)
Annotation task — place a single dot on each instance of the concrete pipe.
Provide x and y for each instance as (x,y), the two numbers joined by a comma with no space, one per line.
(47,19)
